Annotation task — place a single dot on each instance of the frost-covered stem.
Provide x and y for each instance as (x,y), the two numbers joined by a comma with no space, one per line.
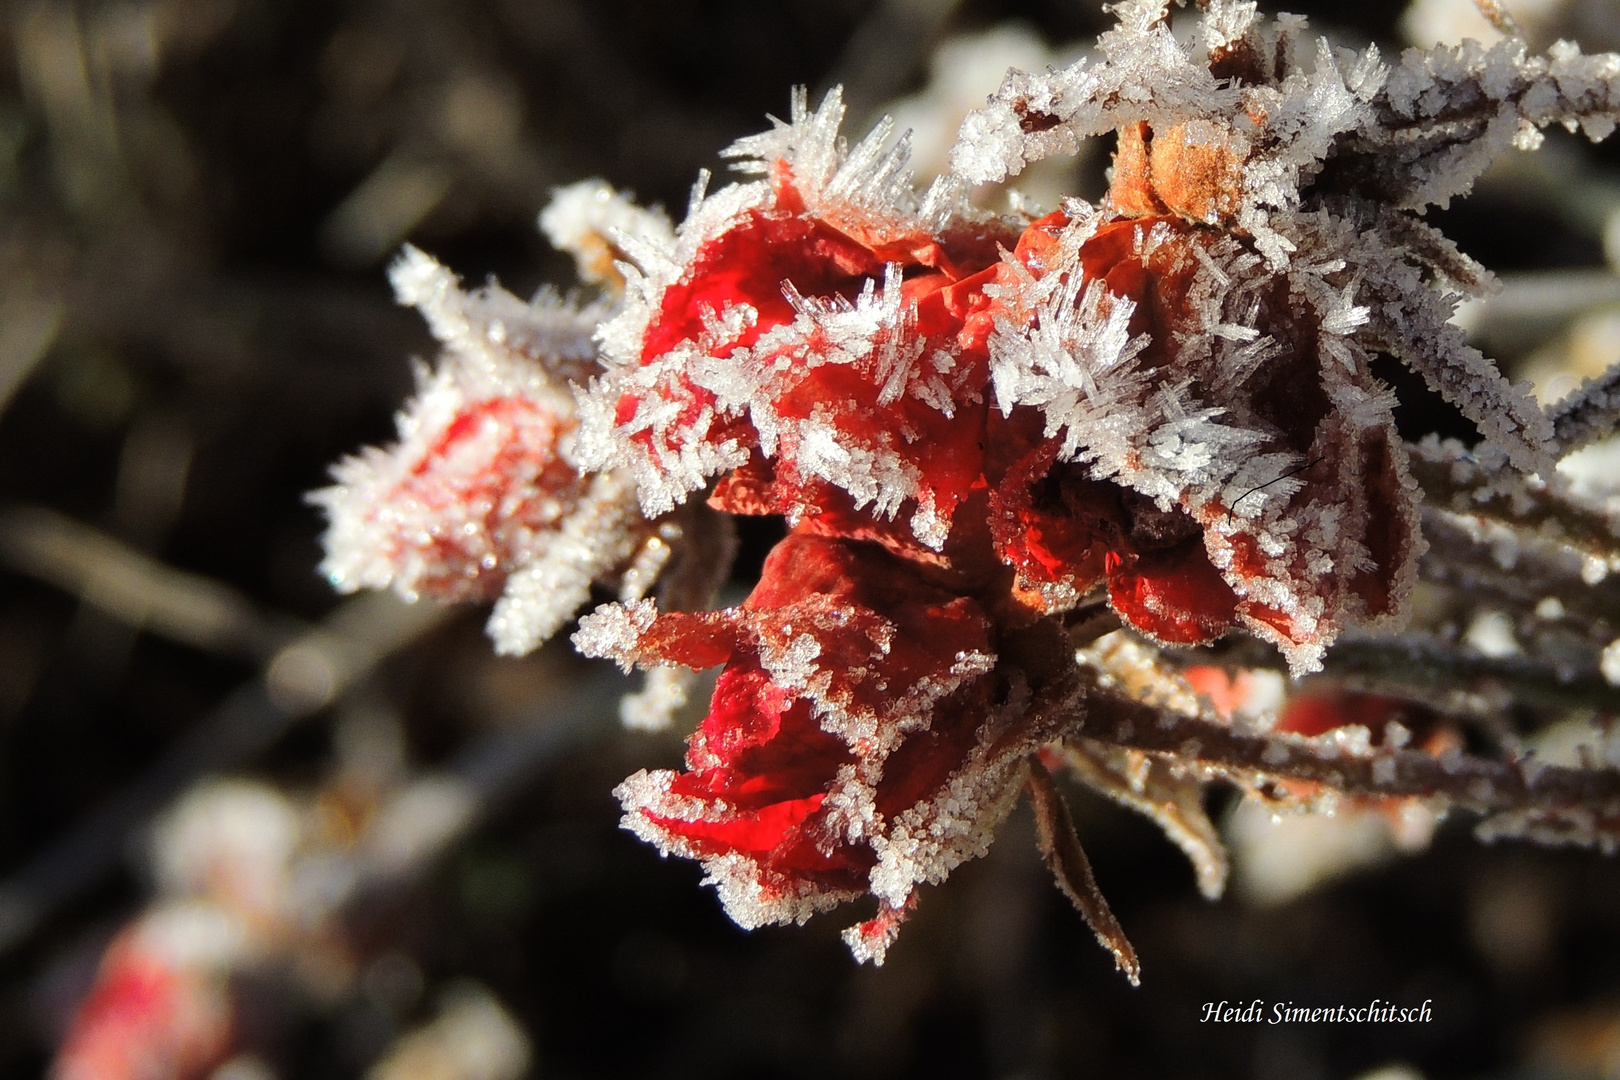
(1589,414)
(1458,483)
(1410,323)
(1445,115)
(1465,781)
(1494,561)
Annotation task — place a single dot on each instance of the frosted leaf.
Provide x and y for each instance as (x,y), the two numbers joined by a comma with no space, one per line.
(1413,323)
(752,896)
(1173,802)
(1185,414)
(932,838)
(853,692)
(1066,858)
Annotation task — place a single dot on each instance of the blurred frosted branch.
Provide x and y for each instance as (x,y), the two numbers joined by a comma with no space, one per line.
(305,675)
(1589,414)
(136,589)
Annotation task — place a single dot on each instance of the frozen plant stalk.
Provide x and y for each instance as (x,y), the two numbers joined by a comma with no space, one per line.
(1032,470)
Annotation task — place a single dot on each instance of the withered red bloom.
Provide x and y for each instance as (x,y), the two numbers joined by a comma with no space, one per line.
(811,363)
(993,438)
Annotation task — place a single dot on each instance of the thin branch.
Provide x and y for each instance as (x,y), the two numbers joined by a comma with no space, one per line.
(1589,414)
(1469,782)
(137,589)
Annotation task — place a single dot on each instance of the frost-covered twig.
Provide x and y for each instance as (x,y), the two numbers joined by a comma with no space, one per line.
(1591,413)
(1382,772)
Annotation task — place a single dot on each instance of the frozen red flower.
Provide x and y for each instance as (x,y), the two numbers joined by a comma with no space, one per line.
(994,438)
(1148,398)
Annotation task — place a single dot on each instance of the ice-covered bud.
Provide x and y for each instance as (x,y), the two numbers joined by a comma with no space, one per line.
(480,497)
(473,488)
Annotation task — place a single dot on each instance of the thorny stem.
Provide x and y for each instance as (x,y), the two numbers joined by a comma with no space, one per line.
(1060,846)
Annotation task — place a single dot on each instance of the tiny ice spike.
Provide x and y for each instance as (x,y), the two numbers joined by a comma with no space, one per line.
(1029,466)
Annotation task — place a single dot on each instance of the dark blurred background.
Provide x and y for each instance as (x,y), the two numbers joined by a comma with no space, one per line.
(198,199)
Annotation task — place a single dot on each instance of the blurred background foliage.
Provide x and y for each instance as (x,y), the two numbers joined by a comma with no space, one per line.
(197,201)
